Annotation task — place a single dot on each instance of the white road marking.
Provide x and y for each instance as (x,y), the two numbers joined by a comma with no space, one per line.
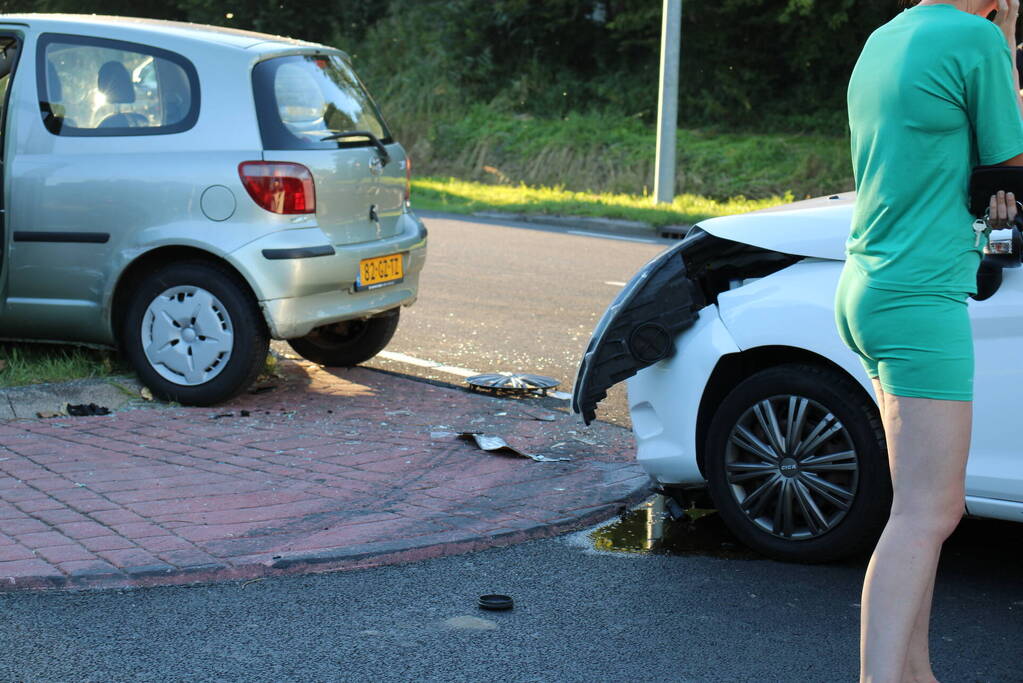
(453,370)
(614,283)
(448,369)
(411,360)
(606,236)
(431,364)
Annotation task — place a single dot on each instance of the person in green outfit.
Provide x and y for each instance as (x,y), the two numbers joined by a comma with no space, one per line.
(932,95)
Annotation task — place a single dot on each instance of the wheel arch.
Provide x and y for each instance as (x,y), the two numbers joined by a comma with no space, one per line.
(733,368)
(152,260)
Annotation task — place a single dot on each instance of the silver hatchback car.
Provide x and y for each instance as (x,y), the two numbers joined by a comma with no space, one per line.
(189,192)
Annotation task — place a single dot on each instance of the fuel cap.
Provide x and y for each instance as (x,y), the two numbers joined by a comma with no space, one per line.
(217,203)
(494,601)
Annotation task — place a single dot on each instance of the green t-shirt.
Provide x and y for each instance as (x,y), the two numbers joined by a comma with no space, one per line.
(932,95)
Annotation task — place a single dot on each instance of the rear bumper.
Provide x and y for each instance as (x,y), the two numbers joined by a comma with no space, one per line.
(302,281)
(297,316)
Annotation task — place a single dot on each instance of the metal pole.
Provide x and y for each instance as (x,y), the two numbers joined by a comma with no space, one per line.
(667,102)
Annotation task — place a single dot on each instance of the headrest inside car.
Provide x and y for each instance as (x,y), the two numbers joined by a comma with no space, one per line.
(115,83)
(53,87)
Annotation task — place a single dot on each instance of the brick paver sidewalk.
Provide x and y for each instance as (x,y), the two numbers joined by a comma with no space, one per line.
(333,469)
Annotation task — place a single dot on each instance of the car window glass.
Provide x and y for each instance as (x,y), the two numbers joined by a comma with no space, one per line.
(5,81)
(302,99)
(8,58)
(108,88)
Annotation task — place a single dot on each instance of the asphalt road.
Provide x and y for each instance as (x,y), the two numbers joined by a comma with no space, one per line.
(579,616)
(495,297)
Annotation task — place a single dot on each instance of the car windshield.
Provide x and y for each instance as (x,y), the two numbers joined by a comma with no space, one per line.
(303,99)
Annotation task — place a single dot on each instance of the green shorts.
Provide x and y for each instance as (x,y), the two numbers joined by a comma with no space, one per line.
(918,344)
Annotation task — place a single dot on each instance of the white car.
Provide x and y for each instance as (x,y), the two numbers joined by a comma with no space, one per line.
(740,385)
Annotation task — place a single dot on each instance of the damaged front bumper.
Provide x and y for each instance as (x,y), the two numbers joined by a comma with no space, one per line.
(638,328)
(659,303)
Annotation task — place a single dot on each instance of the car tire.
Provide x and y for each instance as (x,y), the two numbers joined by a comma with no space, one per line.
(819,489)
(348,343)
(194,333)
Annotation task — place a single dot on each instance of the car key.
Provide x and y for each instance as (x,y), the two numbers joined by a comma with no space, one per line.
(979,228)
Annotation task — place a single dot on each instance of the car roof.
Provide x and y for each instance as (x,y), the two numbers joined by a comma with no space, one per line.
(228,37)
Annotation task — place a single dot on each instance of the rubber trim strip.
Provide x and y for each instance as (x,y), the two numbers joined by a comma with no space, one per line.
(73,237)
(298,252)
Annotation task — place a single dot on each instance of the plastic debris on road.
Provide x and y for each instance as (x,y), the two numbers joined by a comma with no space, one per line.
(86,410)
(495,602)
(495,444)
(512,383)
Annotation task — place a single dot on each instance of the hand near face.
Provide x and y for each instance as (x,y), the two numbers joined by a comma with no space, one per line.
(1006,18)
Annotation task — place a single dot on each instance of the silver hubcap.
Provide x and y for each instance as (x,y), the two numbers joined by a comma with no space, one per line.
(792,467)
(187,335)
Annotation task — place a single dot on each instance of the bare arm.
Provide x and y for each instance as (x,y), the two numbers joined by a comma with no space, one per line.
(1003,204)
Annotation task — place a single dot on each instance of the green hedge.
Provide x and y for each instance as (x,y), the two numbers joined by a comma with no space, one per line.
(776,63)
(602,152)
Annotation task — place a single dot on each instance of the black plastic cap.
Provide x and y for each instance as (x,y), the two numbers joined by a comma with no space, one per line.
(495,602)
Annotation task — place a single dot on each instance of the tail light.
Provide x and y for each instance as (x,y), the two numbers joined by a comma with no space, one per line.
(408,178)
(279,187)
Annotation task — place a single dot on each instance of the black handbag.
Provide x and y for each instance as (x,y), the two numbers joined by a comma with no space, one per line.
(984,182)
(988,180)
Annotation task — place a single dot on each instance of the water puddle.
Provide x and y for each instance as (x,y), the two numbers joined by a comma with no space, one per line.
(650,529)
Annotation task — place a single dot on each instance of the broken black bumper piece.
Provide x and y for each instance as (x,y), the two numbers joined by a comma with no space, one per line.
(638,329)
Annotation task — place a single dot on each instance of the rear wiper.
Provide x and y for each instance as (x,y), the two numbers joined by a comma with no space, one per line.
(384,156)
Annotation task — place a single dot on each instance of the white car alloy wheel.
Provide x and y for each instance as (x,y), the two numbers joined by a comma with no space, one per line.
(796,464)
(792,467)
(187,335)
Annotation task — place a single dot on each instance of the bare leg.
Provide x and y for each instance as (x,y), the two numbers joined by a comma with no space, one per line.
(881,397)
(928,441)
(918,659)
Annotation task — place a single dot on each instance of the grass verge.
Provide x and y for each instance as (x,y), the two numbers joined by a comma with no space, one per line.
(23,363)
(601,152)
(461,196)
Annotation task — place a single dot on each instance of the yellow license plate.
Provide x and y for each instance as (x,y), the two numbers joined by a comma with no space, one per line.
(379,271)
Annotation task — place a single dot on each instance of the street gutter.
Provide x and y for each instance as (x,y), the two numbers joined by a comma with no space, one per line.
(609,226)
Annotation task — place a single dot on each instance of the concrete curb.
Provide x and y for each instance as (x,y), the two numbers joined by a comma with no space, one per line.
(115,392)
(365,556)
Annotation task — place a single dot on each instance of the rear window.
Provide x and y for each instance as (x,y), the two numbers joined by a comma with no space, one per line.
(302,99)
(92,87)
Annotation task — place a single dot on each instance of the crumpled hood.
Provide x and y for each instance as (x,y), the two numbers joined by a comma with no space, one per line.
(817,228)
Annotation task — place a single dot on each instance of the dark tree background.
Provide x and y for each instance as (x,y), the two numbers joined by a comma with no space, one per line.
(744,61)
